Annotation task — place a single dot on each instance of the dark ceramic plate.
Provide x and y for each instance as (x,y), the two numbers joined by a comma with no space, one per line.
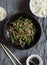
(34,21)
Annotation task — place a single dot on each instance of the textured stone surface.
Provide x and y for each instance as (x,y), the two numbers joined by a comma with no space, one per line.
(12,7)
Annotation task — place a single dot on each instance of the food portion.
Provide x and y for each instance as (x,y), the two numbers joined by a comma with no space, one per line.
(34,61)
(39,7)
(22,32)
(2,14)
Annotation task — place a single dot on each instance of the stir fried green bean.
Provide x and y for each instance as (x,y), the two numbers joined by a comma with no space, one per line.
(22,32)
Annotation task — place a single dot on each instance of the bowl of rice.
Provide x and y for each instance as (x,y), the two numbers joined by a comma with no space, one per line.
(38,7)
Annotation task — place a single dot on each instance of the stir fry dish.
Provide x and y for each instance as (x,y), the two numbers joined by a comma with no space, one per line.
(22,32)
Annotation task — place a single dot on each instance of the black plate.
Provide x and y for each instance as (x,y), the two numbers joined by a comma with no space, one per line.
(34,21)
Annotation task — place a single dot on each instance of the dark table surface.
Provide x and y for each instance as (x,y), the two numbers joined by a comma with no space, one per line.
(15,6)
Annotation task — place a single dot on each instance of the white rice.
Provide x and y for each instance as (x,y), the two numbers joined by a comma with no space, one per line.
(39,7)
(2,14)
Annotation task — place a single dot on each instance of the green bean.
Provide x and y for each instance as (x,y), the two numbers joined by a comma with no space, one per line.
(11,37)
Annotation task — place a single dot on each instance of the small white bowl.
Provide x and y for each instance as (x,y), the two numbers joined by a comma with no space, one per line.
(34,55)
(2,13)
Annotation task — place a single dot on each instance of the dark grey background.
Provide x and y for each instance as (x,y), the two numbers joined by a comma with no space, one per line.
(12,7)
